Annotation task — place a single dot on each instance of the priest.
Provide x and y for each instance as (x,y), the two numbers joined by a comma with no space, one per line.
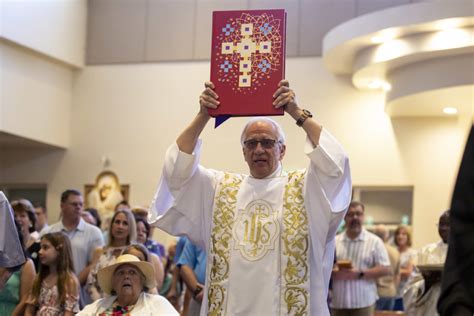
(269,235)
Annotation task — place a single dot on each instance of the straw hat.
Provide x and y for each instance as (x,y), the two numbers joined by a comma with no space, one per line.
(105,275)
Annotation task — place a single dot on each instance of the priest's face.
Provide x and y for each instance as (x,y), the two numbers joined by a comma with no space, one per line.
(262,150)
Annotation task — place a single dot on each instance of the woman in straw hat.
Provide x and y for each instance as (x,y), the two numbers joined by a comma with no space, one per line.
(127,282)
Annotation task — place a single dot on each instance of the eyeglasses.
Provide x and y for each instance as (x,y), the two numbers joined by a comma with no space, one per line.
(354,214)
(265,143)
(75,204)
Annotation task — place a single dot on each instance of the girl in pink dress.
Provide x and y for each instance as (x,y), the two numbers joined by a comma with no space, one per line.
(55,289)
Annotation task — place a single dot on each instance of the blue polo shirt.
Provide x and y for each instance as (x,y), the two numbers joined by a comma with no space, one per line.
(195,258)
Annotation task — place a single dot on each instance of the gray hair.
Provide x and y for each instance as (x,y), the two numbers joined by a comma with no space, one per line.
(280,133)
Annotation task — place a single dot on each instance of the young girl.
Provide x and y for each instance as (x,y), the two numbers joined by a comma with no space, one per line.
(55,289)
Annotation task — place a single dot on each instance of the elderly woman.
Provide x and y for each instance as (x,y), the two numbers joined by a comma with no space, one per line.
(122,232)
(127,282)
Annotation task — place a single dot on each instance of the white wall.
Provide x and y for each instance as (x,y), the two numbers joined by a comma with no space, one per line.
(131,113)
(42,42)
(35,96)
(56,28)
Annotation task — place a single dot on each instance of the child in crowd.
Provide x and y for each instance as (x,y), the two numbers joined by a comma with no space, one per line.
(55,289)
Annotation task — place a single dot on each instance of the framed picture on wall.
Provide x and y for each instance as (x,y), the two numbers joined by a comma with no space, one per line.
(106,193)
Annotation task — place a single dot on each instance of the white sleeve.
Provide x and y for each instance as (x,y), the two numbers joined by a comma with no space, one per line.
(183,202)
(330,168)
(327,194)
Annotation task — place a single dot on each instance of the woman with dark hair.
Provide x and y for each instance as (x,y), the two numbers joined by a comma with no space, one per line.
(143,235)
(26,217)
(14,294)
(91,215)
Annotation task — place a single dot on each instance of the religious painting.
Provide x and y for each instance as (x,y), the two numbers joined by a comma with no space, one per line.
(247,61)
(105,194)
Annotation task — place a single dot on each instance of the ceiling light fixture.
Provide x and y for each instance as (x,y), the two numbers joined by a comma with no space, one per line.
(377,39)
(447,24)
(379,84)
(384,36)
(450,110)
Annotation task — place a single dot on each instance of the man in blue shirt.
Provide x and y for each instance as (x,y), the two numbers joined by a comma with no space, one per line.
(193,271)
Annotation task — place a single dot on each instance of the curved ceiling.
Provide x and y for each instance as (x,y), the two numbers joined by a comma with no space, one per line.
(421,54)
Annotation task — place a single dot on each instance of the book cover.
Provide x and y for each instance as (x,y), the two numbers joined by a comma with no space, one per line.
(247,61)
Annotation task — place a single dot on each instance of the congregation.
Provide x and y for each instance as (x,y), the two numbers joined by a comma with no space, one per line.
(88,251)
(86,265)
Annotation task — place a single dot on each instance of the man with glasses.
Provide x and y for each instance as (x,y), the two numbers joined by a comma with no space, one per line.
(365,259)
(269,236)
(84,237)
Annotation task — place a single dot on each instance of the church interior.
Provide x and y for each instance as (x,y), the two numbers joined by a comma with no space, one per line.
(89,86)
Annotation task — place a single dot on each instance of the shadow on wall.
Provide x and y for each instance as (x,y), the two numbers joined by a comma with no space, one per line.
(29,165)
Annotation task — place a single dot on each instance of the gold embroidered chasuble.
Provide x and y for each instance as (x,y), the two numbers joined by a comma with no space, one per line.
(261,237)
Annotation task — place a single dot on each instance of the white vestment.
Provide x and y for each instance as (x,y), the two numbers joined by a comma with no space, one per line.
(187,202)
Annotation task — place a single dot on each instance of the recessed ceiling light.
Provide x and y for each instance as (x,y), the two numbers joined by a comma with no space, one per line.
(384,36)
(386,86)
(375,84)
(447,24)
(377,39)
(450,110)
(379,84)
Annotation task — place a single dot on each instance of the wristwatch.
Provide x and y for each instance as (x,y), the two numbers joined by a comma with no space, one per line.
(303,117)
(196,291)
(361,274)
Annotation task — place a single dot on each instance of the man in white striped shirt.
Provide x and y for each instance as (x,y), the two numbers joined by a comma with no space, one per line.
(354,283)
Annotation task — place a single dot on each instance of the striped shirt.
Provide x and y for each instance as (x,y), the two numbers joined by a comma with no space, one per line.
(366,251)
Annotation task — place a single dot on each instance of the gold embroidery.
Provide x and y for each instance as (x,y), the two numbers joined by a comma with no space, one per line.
(294,237)
(221,237)
(255,230)
(295,243)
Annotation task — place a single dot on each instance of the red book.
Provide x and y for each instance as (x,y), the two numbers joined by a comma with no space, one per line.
(247,61)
